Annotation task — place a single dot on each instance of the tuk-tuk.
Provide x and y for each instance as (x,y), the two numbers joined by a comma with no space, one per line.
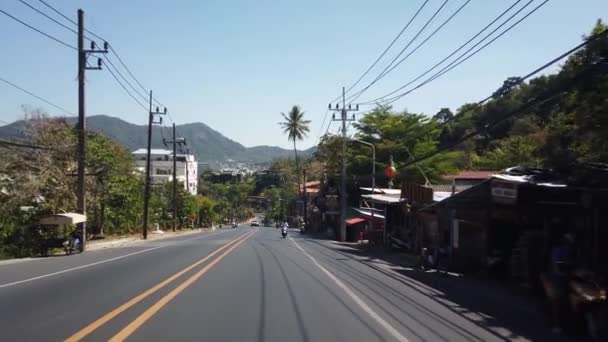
(52,232)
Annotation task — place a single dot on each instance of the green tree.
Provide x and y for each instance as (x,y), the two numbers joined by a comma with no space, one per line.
(296,129)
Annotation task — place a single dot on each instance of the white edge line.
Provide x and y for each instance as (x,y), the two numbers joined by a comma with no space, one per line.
(78,267)
(391,330)
(97,263)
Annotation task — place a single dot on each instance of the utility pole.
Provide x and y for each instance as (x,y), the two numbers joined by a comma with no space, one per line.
(148,178)
(305,198)
(175,142)
(187,171)
(343,117)
(81,127)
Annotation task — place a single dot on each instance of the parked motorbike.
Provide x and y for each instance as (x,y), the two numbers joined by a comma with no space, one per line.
(433,258)
(72,244)
(588,299)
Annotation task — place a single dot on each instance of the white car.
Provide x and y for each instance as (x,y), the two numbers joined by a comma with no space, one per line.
(255,223)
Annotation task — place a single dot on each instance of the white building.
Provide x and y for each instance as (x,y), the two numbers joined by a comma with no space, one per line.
(161,167)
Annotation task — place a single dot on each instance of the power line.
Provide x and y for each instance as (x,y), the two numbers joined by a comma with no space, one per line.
(48,17)
(545,97)
(383,73)
(16,144)
(450,55)
(70,20)
(387,48)
(126,90)
(322,125)
(145,90)
(520,80)
(37,30)
(456,61)
(421,44)
(121,76)
(36,96)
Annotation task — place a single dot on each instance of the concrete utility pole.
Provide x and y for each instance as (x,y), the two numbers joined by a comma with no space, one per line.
(187,171)
(343,113)
(175,142)
(81,128)
(148,178)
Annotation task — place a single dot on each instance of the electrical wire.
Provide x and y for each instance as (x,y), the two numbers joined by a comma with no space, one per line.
(111,48)
(383,99)
(322,125)
(456,62)
(48,17)
(36,96)
(450,55)
(387,48)
(16,144)
(37,30)
(383,72)
(445,22)
(126,90)
(70,20)
(547,96)
(124,79)
(522,79)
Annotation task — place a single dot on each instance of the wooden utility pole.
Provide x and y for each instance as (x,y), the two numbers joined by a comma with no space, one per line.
(343,117)
(148,164)
(81,126)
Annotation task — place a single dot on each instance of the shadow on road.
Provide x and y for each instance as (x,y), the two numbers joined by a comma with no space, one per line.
(493,308)
(291,260)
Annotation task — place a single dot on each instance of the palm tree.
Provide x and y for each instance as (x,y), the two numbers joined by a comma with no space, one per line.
(297,129)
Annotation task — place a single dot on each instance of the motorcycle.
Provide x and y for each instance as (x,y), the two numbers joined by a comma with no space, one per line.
(433,258)
(284,232)
(588,300)
(72,244)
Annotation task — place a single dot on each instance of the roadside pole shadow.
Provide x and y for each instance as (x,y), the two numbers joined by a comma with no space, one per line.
(292,297)
(331,292)
(262,320)
(454,290)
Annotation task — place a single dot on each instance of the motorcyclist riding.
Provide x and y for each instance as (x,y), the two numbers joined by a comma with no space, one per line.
(284,229)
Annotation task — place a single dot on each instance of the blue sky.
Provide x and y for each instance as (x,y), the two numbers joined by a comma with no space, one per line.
(236,64)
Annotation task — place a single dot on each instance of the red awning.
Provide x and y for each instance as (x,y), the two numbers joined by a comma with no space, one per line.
(355,220)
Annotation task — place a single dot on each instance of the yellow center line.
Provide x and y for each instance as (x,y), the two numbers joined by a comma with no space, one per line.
(112,314)
(141,319)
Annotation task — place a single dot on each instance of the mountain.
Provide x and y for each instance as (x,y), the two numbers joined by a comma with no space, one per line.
(206,143)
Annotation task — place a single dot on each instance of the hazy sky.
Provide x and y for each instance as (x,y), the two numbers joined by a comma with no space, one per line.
(236,64)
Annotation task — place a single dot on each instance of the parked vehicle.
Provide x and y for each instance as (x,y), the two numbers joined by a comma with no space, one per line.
(433,258)
(73,243)
(588,301)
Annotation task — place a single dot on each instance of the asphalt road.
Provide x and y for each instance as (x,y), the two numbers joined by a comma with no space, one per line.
(246,284)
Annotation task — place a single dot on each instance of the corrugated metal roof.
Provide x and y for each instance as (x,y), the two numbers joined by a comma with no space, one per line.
(472,175)
(528,179)
(368,213)
(394,192)
(383,198)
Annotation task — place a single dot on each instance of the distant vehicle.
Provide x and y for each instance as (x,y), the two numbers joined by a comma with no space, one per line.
(255,223)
